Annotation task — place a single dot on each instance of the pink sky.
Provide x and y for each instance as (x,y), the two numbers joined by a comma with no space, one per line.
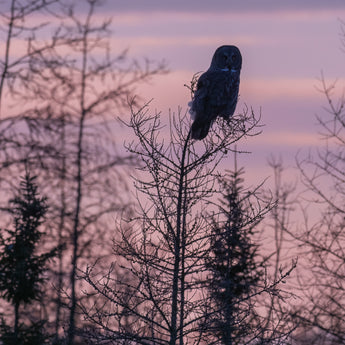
(284,52)
(285,47)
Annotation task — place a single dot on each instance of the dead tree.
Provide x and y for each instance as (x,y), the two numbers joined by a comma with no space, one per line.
(14,19)
(67,104)
(322,238)
(162,248)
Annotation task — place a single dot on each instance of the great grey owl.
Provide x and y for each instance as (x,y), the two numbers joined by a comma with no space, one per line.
(216,91)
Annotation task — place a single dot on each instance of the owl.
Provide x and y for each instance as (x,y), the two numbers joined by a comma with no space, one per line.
(216,91)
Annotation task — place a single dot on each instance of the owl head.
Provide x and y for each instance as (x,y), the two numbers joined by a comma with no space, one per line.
(227,58)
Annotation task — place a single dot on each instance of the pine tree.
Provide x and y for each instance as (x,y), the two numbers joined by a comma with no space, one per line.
(234,271)
(21,266)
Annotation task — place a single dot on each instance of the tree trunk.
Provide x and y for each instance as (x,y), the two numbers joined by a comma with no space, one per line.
(79,178)
(16,321)
(7,51)
(179,255)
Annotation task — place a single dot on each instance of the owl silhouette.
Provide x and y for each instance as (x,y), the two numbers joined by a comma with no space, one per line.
(216,91)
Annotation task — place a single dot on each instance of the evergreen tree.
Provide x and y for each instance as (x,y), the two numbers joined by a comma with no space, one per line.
(21,265)
(234,270)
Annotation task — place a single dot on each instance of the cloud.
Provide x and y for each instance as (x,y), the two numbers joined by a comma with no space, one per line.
(282,88)
(291,139)
(222,5)
(146,42)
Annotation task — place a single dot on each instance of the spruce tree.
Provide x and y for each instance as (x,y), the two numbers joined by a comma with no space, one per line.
(21,265)
(234,271)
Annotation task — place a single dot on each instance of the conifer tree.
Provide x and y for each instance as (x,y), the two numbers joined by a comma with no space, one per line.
(21,264)
(233,265)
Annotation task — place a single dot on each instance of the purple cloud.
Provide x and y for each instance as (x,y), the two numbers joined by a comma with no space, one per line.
(222,5)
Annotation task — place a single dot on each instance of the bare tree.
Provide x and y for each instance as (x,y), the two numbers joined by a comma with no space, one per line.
(14,20)
(64,133)
(162,247)
(281,245)
(322,241)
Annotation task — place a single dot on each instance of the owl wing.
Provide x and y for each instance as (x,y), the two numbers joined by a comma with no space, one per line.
(211,99)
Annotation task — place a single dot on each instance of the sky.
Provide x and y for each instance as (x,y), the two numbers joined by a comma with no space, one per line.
(286,47)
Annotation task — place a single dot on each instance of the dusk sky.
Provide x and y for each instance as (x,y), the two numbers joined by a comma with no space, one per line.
(156,252)
(285,45)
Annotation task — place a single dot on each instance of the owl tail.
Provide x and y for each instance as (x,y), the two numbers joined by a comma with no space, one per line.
(200,129)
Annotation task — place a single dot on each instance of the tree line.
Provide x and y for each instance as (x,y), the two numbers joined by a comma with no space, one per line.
(185,262)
